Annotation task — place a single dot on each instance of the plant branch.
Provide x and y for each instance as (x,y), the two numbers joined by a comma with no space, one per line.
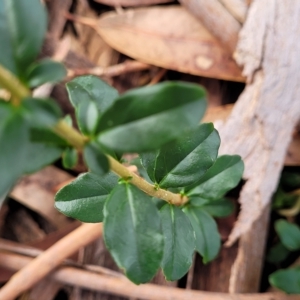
(13,85)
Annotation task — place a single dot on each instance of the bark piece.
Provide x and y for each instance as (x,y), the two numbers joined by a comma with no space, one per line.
(262,122)
(216,18)
(176,41)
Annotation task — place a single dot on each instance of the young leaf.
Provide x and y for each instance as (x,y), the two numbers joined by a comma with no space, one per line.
(132,232)
(84,198)
(42,112)
(27,24)
(44,71)
(69,158)
(91,97)
(287,280)
(183,162)
(145,118)
(224,175)
(289,234)
(216,208)
(95,159)
(208,239)
(277,253)
(179,242)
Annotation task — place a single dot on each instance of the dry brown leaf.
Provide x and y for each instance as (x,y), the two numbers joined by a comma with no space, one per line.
(131,2)
(175,40)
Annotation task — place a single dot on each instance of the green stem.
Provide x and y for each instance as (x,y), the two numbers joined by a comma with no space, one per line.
(19,91)
(13,85)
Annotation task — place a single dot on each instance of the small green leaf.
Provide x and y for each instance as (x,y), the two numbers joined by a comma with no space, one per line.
(224,175)
(287,280)
(208,241)
(95,159)
(216,208)
(27,24)
(44,71)
(183,162)
(132,232)
(84,198)
(277,253)
(91,97)
(289,234)
(69,158)
(145,118)
(42,112)
(179,242)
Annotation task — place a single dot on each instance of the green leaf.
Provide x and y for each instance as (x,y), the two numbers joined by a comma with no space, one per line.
(44,71)
(69,158)
(91,97)
(216,208)
(287,280)
(224,175)
(132,232)
(145,118)
(42,112)
(96,161)
(27,24)
(208,241)
(183,162)
(13,152)
(6,53)
(277,253)
(84,198)
(47,137)
(179,242)
(289,234)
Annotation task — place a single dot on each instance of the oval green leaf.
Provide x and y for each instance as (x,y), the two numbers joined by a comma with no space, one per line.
(184,161)
(224,175)
(145,118)
(287,280)
(208,241)
(179,242)
(289,234)
(69,158)
(132,232)
(44,71)
(84,198)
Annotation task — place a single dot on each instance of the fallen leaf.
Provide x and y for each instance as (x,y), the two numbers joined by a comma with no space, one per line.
(175,40)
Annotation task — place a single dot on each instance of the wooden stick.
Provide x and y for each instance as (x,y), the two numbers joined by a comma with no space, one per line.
(216,18)
(123,287)
(49,260)
(111,71)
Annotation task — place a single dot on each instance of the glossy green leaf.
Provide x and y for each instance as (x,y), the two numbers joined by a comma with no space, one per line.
(179,242)
(289,234)
(27,24)
(14,136)
(42,112)
(132,232)
(287,280)
(96,161)
(277,253)
(69,158)
(216,208)
(224,175)
(84,198)
(145,118)
(44,71)
(208,241)
(6,54)
(183,162)
(91,97)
